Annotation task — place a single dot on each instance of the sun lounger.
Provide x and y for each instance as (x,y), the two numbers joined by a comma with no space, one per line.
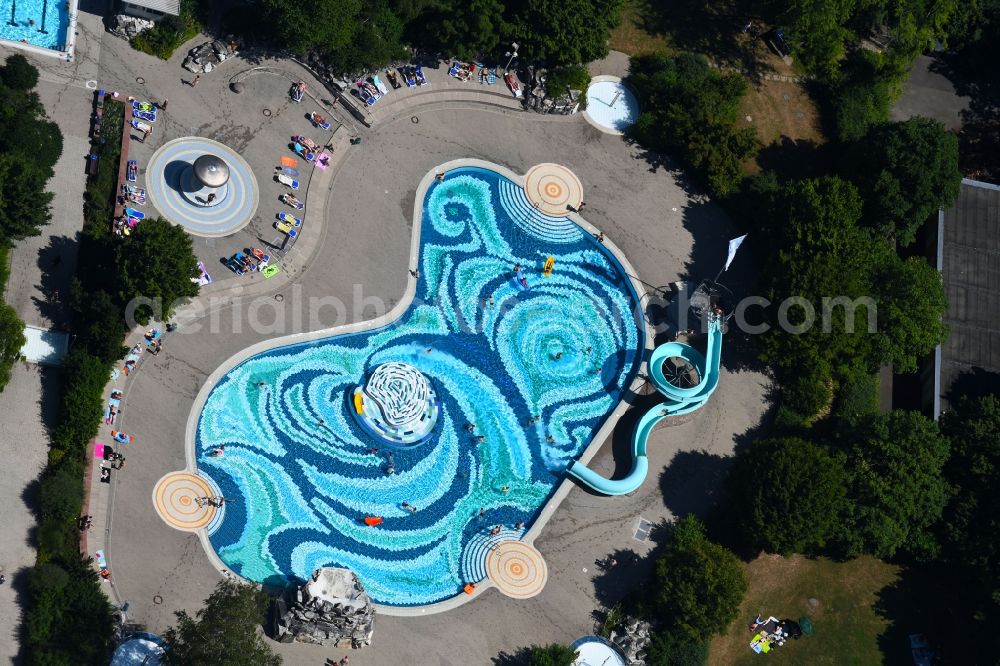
(364,95)
(145,115)
(393,79)
(132,170)
(296,92)
(303,152)
(284,227)
(290,219)
(411,80)
(138,214)
(290,200)
(378,84)
(421,79)
(287,180)
(319,121)
(514,86)
(491,78)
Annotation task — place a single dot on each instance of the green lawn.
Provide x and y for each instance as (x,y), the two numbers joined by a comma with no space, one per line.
(846,624)
(634,34)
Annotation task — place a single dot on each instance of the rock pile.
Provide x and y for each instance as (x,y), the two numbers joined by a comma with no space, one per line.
(208,56)
(632,637)
(127,27)
(332,610)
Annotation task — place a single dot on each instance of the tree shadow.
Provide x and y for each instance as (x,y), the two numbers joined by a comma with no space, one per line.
(693,482)
(973,384)
(517,658)
(980,134)
(57,264)
(789,159)
(617,584)
(919,602)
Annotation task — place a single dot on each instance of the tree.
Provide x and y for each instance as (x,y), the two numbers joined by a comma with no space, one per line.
(971,523)
(564,32)
(818,30)
(224,632)
(896,488)
(698,585)
(18,74)
(553,654)
(155,262)
(905,172)
(862,94)
(467,28)
(689,110)
(304,26)
(816,251)
(790,493)
(24,205)
(12,340)
(911,303)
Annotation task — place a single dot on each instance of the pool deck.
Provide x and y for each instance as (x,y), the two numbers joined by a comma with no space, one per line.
(355,249)
(388,318)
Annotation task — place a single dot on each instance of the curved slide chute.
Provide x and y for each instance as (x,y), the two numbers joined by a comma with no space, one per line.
(677,401)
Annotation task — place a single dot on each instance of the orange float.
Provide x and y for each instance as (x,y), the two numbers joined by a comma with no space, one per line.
(371,521)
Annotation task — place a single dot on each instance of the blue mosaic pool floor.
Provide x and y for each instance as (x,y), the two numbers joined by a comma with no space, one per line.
(537,371)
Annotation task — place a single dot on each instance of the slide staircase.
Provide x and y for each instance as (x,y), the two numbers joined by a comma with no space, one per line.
(678,400)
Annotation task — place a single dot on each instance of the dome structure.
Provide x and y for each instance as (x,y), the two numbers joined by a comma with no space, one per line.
(211,170)
(397,404)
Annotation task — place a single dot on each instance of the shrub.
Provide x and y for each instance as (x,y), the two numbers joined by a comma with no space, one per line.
(84,379)
(667,648)
(553,654)
(170,32)
(573,77)
(11,341)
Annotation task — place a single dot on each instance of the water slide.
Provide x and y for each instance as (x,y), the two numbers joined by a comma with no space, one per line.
(677,401)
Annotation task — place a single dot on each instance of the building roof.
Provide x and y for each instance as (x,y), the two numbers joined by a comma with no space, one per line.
(969,255)
(166,6)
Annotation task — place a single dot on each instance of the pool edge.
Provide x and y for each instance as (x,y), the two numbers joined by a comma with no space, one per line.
(561,490)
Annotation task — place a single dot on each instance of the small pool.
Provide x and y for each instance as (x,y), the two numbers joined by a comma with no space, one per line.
(42,23)
(537,371)
(611,104)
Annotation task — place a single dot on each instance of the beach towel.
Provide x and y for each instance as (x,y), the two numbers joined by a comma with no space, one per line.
(105,474)
(101,561)
(99,450)
(289,161)
(115,372)
(492,78)
(322,161)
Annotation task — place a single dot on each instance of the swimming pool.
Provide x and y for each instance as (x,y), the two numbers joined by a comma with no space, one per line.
(538,371)
(43,23)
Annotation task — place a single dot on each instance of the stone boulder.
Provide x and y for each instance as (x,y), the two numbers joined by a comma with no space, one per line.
(127,27)
(332,609)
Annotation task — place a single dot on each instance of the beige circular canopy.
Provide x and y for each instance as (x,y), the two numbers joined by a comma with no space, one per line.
(517,569)
(553,189)
(211,170)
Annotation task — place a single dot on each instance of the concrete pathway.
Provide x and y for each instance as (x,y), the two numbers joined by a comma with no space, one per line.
(30,402)
(930,94)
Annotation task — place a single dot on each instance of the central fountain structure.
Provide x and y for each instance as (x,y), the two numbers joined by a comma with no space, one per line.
(397,404)
(206,182)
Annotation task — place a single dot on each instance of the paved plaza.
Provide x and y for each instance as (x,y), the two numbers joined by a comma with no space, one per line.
(352,260)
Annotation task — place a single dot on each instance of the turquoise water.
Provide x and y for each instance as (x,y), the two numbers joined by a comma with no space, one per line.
(537,371)
(30,17)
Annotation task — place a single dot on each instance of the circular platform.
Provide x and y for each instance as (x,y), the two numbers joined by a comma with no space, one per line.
(517,569)
(174,498)
(553,189)
(611,106)
(181,198)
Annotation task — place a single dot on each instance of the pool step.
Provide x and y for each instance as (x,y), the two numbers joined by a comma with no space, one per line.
(553,229)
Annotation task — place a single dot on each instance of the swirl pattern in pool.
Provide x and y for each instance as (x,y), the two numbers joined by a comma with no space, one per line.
(536,370)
